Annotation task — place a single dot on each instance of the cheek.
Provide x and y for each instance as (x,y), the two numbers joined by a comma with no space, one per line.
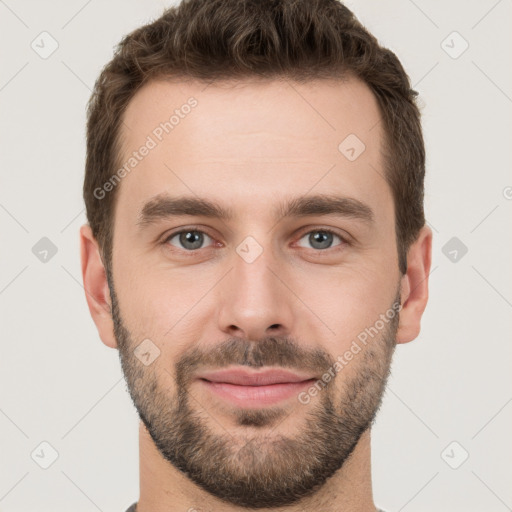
(348,300)
(160,303)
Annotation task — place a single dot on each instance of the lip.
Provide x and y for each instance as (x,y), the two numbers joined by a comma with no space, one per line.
(243,377)
(254,389)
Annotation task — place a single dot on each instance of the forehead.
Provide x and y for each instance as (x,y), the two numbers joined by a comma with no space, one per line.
(241,143)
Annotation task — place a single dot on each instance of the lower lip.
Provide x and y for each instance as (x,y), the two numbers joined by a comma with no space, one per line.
(256,396)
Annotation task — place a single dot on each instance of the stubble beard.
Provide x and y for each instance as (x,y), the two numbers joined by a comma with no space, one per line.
(264,468)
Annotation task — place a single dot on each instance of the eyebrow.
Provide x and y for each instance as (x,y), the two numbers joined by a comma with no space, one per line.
(164,206)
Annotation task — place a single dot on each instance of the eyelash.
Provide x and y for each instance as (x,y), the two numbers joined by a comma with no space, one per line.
(344,240)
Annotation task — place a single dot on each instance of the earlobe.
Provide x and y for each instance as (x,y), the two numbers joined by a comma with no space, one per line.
(414,286)
(96,287)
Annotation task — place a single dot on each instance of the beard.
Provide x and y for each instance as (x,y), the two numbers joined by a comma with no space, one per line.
(259,468)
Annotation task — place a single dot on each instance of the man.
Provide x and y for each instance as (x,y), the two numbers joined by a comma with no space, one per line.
(256,248)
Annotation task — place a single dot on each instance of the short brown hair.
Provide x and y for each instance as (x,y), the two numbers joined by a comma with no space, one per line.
(238,39)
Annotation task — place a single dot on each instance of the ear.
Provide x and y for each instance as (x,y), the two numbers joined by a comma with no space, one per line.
(97,292)
(414,286)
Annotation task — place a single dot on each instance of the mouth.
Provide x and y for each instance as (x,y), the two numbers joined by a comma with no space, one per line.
(251,389)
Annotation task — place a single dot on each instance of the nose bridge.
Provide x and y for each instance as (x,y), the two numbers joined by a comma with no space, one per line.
(254,302)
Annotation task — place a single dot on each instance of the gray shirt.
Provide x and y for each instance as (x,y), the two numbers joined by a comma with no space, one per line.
(133,508)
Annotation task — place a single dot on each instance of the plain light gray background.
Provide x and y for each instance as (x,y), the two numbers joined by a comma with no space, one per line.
(450,392)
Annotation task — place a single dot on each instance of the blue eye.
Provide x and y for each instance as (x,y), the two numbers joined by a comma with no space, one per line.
(322,238)
(190,239)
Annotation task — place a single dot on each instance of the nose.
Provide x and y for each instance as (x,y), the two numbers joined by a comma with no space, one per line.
(254,299)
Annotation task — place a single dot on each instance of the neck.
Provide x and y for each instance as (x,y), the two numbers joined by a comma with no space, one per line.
(163,488)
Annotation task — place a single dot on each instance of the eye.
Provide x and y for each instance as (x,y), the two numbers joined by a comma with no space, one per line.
(188,239)
(322,238)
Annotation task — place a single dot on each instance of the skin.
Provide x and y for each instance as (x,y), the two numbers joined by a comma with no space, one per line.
(250,147)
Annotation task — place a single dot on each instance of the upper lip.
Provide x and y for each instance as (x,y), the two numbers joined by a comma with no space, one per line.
(243,377)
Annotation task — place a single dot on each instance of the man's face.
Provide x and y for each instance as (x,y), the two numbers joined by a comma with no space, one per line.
(266,288)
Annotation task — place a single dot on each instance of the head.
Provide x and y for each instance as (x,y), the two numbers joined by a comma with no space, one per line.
(254,194)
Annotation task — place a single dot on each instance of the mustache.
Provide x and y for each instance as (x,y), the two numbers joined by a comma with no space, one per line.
(270,351)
